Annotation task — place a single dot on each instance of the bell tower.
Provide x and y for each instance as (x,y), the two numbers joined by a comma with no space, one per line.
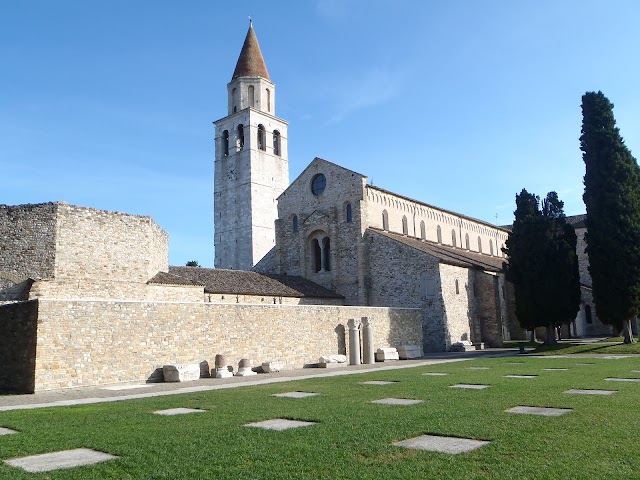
(251,166)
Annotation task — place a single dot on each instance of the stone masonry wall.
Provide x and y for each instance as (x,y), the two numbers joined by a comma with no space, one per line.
(98,342)
(18,326)
(108,245)
(27,240)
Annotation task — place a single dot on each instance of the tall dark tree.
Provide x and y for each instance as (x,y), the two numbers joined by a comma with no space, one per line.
(612,198)
(543,265)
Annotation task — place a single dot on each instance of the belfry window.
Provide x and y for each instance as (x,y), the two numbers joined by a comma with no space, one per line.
(225,142)
(348,213)
(276,142)
(385,220)
(252,96)
(269,101)
(240,139)
(261,138)
(405,227)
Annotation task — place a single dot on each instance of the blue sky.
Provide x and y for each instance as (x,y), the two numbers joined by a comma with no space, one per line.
(460,104)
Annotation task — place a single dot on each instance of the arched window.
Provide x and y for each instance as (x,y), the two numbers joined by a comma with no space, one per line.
(240,139)
(490,247)
(349,213)
(423,231)
(405,227)
(317,255)
(295,224)
(326,251)
(439,233)
(262,145)
(225,142)
(453,239)
(234,100)
(466,241)
(479,244)
(457,287)
(587,314)
(252,96)
(385,220)
(276,142)
(269,101)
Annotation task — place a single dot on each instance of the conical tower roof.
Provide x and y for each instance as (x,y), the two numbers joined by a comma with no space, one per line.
(250,63)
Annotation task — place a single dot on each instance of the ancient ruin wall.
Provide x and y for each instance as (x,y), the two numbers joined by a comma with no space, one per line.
(98,343)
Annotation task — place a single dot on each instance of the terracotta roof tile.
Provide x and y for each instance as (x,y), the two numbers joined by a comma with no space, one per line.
(250,62)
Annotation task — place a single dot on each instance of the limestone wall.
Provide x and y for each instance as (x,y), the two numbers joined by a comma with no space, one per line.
(18,325)
(99,342)
(459,303)
(227,298)
(108,245)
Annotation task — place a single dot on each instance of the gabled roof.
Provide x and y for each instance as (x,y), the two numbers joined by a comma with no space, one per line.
(250,62)
(447,254)
(242,282)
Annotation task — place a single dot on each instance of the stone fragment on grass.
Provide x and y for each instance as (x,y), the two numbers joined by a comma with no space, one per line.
(397,401)
(543,411)
(578,391)
(622,379)
(6,431)
(435,374)
(279,424)
(520,376)
(470,386)
(377,382)
(295,394)
(178,411)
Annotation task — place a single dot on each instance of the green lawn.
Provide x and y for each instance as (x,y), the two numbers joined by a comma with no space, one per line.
(353,437)
(596,348)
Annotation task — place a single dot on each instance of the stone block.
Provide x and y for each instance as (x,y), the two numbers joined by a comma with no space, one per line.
(181,373)
(272,366)
(407,352)
(462,347)
(333,359)
(386,353)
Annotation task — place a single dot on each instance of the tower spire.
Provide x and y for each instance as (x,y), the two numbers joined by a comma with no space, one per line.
(250,62)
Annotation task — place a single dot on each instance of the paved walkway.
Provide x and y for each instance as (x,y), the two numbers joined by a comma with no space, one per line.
(86,395)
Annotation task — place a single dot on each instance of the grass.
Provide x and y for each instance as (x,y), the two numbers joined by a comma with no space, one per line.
(593,348)
(353,437)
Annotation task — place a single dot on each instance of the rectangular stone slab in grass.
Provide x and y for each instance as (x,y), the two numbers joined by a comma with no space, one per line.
(6,431)
(555,369)
(469,386)
(544,411)
(59,460)
(478,368)
(435,374)
(377,382)
(295,394)
(279,424)
(178,411)
(622,379)
(520,376)
(578,391)
(433,443)
(397,401)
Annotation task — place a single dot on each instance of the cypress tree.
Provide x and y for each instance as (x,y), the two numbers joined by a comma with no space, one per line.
(612,198)
(543,265)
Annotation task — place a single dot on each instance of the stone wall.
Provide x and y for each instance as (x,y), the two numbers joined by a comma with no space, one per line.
(226,298)
(489,310)
(98,342)
(18,326)
(28,240)
(108,245)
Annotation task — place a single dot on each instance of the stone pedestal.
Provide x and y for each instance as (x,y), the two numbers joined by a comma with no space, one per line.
(244,369)
(407,352)
(221,367)
(386,353)
(354,341)
(368,354)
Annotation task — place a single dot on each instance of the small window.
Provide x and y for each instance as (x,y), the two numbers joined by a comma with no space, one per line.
(318,184)
(457,287)
(466,241)
(225,142)
(479,244)
(252,96)
(405,228)
(261,138)
(326,251)
(276,142)
(295,224)
(490,247)
(269,103)
(453,239)
(439,234)
(317,255)
(385,220)
(349,213)
(587,313)
(423,231)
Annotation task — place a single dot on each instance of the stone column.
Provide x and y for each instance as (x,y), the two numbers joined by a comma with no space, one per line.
(354,341)
(368,354)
